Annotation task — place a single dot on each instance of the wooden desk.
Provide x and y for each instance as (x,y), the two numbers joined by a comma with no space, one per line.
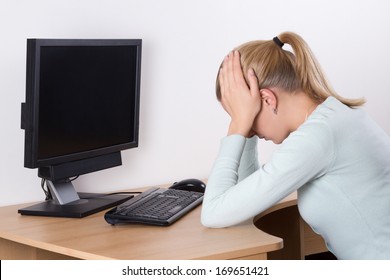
(29,237)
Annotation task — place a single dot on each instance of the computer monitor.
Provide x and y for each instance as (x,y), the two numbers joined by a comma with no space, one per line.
(81,110)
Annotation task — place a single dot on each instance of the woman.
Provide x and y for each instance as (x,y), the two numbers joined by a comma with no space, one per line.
(331,152)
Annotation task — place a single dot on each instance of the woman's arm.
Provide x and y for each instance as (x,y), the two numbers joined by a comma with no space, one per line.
(249,162)
(305,155)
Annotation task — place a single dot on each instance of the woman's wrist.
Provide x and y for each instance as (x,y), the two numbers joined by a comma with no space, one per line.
(235,128)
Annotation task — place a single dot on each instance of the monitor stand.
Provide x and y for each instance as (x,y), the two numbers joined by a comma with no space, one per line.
(66,202)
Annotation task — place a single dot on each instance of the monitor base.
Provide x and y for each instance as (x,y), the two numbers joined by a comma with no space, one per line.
(88,204)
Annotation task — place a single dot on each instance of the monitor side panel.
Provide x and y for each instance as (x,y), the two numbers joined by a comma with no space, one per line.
(30,107)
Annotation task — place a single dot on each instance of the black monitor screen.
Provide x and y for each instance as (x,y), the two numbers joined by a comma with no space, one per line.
(86,98)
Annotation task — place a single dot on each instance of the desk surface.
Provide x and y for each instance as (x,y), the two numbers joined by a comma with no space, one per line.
(92,238)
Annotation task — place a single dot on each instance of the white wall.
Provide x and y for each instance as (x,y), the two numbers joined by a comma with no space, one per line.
(183,44)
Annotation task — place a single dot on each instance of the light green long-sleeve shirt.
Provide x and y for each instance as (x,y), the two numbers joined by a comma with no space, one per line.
(339,162)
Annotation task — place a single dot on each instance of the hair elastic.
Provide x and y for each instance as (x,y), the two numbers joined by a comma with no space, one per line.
(278,42)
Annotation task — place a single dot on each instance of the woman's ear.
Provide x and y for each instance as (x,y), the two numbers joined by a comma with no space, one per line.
(270,99)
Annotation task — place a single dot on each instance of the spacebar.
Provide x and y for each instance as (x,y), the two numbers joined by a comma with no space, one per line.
(139,215)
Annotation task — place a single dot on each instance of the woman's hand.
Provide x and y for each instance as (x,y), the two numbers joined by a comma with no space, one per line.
(241,102)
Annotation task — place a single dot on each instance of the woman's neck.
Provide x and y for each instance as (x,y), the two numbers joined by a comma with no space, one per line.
(297,107)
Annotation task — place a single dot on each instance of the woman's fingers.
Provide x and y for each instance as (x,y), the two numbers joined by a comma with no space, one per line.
(231,76)
(236,69)
(253,83)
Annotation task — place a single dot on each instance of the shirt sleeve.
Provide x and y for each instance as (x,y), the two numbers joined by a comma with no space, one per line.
(249,162)
(233,195)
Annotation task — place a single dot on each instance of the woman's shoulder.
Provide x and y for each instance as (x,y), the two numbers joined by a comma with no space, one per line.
(335,115)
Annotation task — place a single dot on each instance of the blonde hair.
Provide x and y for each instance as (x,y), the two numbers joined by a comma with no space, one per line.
(290,71)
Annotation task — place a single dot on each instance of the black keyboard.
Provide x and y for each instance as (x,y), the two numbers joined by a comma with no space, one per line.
(155,206)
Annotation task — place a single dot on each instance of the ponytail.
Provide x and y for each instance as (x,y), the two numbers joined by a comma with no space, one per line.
(309,73)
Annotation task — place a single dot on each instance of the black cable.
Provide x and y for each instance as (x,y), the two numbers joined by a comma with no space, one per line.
(48,195)
(114,193)
(108,194)
(47,192)
(123,193)
(74,178)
